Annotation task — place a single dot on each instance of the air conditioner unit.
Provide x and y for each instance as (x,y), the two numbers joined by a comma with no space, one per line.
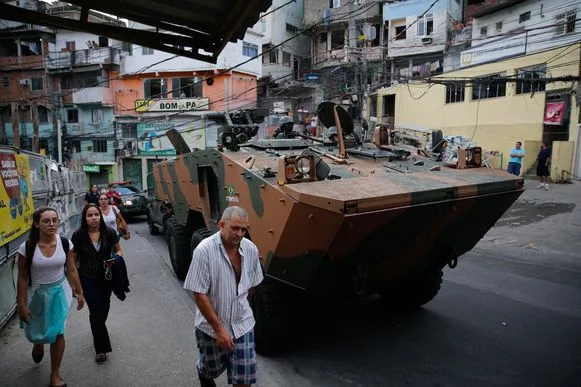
(24,82)
(426,39)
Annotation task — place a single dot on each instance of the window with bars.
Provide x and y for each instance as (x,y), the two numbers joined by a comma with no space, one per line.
(565,23)
(146,51)
(100,146)
(455,93)
(488,87)
(528,80)
(5,81)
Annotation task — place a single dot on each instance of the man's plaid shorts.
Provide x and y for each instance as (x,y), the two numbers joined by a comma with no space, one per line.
(240,363)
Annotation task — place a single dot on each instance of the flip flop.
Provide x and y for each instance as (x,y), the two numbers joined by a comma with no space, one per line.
(37,356)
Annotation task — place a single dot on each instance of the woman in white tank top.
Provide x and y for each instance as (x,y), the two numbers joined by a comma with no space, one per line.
(108,212)
(44,294)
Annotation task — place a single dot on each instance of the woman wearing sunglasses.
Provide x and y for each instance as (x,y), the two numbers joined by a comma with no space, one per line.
(44,296)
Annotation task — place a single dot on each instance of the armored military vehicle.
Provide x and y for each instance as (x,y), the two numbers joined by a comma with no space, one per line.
(332,220)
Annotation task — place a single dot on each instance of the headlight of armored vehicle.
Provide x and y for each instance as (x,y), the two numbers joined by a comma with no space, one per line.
(303,165)
(296,169)
(127,203)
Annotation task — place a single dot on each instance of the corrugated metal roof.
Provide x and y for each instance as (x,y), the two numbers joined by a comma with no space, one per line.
(177,24)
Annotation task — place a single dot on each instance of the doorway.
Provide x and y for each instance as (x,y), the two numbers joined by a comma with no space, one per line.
(388,109)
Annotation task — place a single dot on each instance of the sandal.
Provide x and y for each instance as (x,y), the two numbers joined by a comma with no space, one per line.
(37,355)
(101,358)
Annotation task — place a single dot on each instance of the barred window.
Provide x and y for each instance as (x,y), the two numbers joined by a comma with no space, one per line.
(488,87)
(528,80)
(455,93)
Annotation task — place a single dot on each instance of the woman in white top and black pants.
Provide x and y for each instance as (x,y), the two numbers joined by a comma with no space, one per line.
(44,296)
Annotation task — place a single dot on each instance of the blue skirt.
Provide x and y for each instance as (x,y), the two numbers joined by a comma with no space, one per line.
(49,305)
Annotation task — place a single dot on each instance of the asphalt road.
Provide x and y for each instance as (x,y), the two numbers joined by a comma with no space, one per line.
(508,315)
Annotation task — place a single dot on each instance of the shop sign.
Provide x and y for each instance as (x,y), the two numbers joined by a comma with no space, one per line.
(93,168)
(171,105)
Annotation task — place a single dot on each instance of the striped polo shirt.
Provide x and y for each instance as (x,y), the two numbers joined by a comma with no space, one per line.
(212,273)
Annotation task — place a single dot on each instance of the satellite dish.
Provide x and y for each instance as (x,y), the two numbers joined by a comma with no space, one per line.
(326,114)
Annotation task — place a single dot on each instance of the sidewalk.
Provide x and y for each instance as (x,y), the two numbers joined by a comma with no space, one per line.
(541,221)
(151,332)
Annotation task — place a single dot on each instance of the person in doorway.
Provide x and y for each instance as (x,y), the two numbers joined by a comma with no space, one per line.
(44,289)
(113,196)
(224,271)
(93,195)
(515,161)
(543,161)
(96,248)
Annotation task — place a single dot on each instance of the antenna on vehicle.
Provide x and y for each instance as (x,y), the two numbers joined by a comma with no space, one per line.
(342,151)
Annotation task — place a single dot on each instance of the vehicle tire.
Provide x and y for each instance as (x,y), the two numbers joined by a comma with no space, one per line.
(153,230)
(178,239)
(198,236)
(416,293)
(272,307)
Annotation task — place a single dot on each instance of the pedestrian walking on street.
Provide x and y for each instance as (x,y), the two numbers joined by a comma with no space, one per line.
(112,216)
(96,249)
(113,196)
(224,271)
(543,161)
(515,161)
(93,195)
(44,288)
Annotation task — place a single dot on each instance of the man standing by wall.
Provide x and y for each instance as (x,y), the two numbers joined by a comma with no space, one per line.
(224,270)
(516,156)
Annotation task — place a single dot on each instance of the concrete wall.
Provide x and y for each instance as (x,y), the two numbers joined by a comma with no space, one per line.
(494,123)
(561,159)
(230,56)
(80,39)
(542,13)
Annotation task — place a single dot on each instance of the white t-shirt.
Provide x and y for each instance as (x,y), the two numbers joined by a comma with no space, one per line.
(46,270)
(111,219)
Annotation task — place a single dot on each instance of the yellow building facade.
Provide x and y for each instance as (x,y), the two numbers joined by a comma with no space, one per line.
(495,122)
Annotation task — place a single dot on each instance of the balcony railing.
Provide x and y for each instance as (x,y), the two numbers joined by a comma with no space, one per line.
(91,56)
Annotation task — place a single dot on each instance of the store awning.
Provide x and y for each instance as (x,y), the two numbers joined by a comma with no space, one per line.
(193,28)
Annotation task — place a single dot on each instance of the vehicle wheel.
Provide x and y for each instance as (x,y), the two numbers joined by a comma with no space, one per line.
(179,248)
(198,236)
(272,307)
(416,293)
(153,230)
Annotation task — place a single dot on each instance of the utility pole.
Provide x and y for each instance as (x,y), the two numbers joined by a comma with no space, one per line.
(35,126)
(353,54)
(59,140)
(15,124)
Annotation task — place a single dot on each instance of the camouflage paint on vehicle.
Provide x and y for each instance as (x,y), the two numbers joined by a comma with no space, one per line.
(386,226)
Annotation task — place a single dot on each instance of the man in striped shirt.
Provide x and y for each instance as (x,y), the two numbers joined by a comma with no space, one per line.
(224,270)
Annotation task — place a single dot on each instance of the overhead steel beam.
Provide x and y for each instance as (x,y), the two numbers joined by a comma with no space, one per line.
(120,9)
(156,40)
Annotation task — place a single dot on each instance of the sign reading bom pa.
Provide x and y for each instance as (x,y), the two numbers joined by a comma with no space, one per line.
(171,105)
